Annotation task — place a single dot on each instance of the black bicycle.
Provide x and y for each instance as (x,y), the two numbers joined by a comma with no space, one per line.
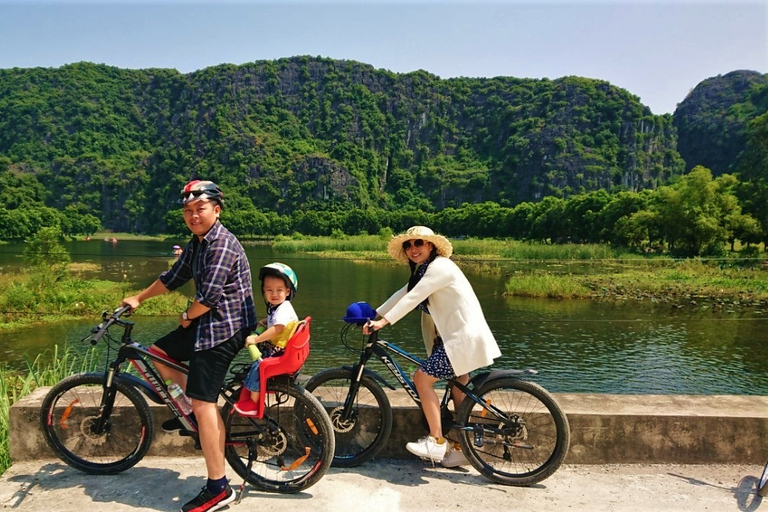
(101,423)
(511,430)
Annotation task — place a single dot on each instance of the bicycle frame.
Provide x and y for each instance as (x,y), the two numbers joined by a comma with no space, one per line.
(151,384)
(380,348)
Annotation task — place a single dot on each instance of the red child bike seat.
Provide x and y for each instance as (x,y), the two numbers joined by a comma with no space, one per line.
(288,363)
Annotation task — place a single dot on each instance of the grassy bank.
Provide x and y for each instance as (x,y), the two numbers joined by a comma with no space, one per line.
(102,235)
(375,247)
(613,274)
(687,282)
(31,297)
(46,370)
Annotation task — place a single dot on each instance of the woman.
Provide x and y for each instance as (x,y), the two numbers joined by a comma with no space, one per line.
(456,335)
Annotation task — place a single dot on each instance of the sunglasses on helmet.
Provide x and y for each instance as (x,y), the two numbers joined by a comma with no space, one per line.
(186,196)
(196,194)
(416,243)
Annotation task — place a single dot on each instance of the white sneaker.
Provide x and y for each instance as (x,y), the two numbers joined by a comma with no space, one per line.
(454,458)
(428,448)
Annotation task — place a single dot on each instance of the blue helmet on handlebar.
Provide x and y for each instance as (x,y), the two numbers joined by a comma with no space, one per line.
(359,313)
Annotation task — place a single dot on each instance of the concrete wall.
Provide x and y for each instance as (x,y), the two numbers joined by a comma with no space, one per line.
(604,429)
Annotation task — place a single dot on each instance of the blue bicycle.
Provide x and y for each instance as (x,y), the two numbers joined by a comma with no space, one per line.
(511,430)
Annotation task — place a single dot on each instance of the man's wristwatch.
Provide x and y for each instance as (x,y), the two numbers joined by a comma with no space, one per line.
(185,317)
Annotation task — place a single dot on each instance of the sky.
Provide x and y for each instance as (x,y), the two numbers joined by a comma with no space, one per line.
(657,50)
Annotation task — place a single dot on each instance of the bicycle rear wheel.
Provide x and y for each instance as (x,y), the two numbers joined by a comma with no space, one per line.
(762,485)
(70,412)
(291,446)
(522,440)
(364,434)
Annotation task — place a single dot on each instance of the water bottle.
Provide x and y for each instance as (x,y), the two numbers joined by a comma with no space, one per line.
(255,352)
(253,349)
(182,400)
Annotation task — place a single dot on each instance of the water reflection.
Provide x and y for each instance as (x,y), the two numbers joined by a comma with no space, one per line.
(577,346)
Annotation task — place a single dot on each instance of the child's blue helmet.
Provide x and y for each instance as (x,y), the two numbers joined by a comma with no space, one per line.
(284,272)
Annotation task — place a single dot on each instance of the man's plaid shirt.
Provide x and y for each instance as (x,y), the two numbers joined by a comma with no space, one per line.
(222,275)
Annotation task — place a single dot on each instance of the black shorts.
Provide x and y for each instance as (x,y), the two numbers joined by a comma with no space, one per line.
(207,368)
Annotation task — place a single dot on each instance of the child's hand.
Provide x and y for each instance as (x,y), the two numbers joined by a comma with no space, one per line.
(251,340)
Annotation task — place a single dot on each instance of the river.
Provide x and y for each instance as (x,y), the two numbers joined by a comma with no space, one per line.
(576,345)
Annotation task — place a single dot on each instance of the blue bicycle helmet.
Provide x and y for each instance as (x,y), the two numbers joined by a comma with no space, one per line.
(359,313)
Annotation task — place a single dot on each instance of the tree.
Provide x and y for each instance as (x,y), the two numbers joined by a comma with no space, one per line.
(753,173)
(45,252)
(692,213)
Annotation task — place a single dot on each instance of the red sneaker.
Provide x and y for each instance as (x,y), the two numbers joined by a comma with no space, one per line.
(246,407)
(206,502)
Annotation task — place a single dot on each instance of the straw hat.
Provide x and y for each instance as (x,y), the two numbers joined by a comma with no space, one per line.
(395,247)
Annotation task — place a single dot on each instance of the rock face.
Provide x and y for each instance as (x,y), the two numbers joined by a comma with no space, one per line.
(711,121)
(317,133)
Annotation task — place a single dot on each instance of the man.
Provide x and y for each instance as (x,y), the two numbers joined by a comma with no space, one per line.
(211,331)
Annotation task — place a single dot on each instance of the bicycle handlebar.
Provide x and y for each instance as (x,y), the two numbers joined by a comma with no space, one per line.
(100,330)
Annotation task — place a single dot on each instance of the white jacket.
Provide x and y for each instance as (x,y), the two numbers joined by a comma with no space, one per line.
(455,311)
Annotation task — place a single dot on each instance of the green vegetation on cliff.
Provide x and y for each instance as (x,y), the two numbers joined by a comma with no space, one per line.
(314,134)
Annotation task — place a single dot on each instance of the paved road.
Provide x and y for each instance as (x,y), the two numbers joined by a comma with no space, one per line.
(158,484)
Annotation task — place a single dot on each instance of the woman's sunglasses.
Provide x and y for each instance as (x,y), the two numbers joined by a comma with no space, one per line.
(416,243)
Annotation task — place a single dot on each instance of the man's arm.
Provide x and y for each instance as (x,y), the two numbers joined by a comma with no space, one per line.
(156,288)
(194,311)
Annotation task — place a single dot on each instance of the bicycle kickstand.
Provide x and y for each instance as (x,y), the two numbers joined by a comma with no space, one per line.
(251,456)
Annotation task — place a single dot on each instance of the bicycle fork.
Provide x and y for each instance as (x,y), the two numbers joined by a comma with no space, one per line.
(354,387)
(109,392)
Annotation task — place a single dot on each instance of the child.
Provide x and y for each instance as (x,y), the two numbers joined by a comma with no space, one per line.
(278,284)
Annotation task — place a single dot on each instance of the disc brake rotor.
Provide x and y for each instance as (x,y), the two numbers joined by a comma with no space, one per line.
(274,445)
(86,428)
(340,425)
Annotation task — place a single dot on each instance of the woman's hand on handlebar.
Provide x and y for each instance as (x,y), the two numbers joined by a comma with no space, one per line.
(374,325)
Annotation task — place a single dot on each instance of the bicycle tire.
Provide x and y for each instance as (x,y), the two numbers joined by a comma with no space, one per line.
(521,454)
(364,435)
(762,484)
(70,408)
(293,442)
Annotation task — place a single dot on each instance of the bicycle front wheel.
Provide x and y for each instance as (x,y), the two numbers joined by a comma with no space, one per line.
(286,451)
(363,435)
(521,439)
(762,485)
(71,413)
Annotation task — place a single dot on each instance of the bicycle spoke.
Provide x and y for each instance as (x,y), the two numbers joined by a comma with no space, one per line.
(70,412)
(362,434)
(292,443)
(521,438)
